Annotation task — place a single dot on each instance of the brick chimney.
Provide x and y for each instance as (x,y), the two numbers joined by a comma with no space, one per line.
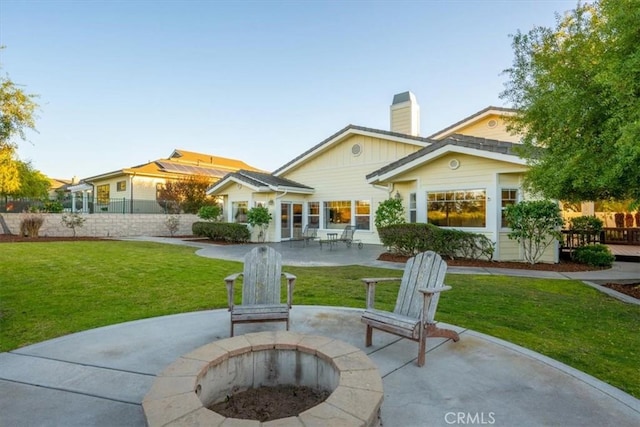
(405,114)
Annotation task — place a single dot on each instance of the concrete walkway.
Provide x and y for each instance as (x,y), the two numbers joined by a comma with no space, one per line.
(99,377)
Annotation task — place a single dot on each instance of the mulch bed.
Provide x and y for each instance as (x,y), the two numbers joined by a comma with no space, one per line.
(270,403)
(631,289)
(562,266)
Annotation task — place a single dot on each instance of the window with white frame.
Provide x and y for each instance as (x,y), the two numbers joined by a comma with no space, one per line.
(337,214)
(508,196)
(313,214)
(461,208)
(363,215)
(412,207)
(239,211)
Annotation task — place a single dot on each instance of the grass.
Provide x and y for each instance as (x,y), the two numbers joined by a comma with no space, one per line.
(52,289)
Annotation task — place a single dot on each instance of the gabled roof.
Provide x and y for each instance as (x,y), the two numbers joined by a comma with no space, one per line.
(201,159)
(488,148)
(180,162)
(450,130)
(345,133)
(259,182)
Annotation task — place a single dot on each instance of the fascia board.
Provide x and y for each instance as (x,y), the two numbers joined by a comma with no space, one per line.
(342,137)
(450,131)
(220,185)
(447,149)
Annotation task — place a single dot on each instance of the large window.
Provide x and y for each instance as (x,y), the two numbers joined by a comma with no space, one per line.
(102,192)
(466,208)
(337,214)
(239,211)
(509,197)
(363,215)
(313,216)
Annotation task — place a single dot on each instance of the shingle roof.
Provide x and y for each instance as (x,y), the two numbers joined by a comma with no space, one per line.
(484,144)
(347,129)
(261,179)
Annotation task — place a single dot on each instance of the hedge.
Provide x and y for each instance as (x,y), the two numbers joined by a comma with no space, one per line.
(222,231)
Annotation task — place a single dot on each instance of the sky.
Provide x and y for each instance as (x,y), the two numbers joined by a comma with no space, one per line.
(124,82)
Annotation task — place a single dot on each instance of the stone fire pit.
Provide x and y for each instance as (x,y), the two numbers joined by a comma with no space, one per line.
(181,394)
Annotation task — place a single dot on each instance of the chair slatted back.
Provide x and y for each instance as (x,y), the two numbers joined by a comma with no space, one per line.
(261,276)
(425,270)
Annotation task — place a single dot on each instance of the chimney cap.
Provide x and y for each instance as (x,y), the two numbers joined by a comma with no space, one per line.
(403,97)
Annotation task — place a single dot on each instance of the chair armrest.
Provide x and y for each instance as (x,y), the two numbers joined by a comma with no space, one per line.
(368,280)
(435,290)
(291,281)
(230,281)
(370,285)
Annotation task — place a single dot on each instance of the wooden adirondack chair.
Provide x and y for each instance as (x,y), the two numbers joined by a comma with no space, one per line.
(413,316)
(260,289)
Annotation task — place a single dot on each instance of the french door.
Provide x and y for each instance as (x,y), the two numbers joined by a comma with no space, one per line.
(290,220)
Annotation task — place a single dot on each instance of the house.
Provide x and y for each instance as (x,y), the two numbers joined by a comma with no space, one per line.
(461,177)
(136,189)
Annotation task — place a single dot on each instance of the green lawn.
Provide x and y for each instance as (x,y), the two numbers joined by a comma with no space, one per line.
(52,289)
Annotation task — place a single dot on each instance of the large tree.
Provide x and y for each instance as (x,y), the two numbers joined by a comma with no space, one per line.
(576,89)
(17,114)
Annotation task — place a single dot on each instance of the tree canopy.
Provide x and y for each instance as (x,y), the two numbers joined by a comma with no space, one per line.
(576,90)
(17,112)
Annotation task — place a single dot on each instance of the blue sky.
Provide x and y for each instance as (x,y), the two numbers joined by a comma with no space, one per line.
(124,82)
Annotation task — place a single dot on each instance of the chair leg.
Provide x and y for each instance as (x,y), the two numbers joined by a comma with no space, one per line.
(369,336)
(231,328)
(287,324)
(422,347)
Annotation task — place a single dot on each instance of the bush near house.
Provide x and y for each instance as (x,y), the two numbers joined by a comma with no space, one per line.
(411,238)
(594,255)
(222,231)
(535,225)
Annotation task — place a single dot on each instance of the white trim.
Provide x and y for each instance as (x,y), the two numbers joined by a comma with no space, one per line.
(341,137)
(450,131)
(444,150)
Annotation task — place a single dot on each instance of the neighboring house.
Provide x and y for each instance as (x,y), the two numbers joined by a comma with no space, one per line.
(136,189)
(58,187)
(460,177)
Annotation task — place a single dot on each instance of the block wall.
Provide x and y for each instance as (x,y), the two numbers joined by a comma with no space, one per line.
(104,225)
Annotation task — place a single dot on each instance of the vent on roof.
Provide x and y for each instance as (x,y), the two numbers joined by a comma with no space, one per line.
(356,149)
(454,164)
(492,123)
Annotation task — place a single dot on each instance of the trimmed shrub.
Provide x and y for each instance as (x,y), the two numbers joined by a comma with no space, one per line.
(587,228)
(594,255)
(410,238)
(389,212)
(222,231)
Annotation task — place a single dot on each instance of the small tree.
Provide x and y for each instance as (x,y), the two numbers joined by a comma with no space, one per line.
(209,212)
(389,212)
(535,225)
(259,217)
(72,221)
(172,222)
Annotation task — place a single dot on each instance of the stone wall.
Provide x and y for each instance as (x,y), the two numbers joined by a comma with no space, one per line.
(104,225)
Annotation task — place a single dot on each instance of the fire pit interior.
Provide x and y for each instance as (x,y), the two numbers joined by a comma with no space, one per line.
(216,372)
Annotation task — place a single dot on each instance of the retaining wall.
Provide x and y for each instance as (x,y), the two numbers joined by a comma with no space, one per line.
(103,225)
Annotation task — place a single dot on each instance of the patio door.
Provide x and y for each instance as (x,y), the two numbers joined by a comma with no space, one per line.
(290,220)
